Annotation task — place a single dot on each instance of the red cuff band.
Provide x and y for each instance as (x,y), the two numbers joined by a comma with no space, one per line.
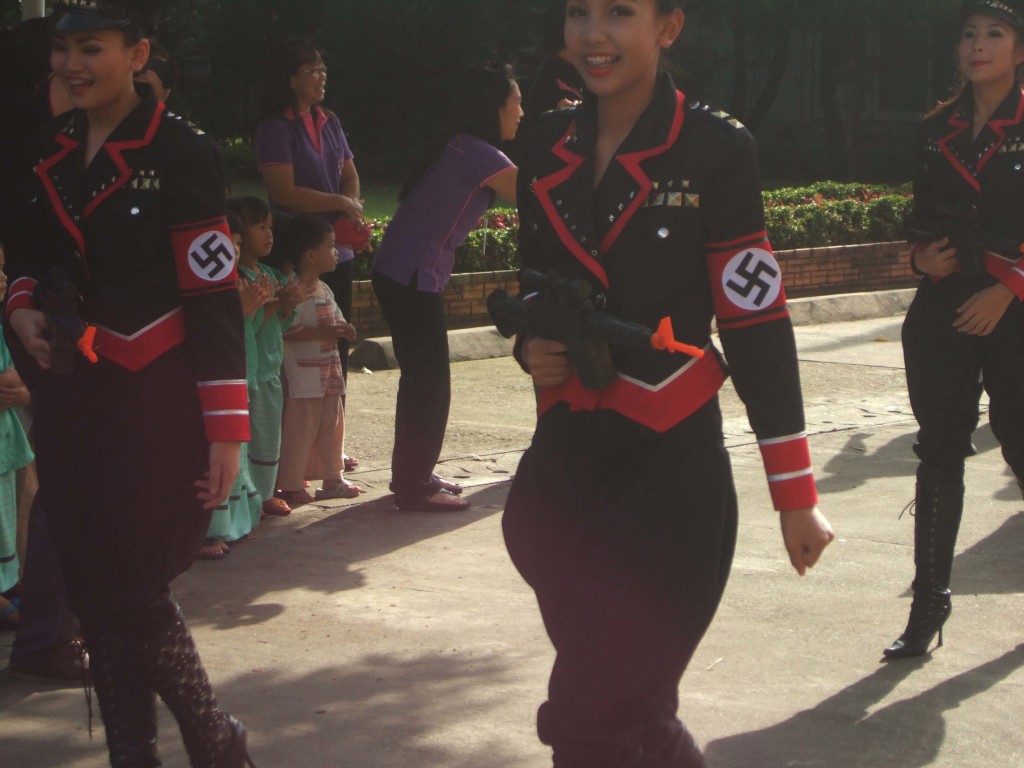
(225,407)
(787,462)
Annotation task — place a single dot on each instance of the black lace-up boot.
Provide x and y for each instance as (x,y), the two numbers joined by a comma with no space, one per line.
(170,661)
(127,705)
(939,508)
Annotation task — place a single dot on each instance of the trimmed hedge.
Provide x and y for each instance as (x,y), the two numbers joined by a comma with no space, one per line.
(822,214)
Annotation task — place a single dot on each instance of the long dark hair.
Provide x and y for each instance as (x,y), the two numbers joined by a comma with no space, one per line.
(482,92)
(276,95)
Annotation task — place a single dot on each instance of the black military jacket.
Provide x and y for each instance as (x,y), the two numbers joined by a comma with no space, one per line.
(142,232)
(674,228)
(979,177)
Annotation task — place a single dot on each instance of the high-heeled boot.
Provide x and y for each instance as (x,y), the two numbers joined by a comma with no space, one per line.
(127,705)
(171,663)
(939,508)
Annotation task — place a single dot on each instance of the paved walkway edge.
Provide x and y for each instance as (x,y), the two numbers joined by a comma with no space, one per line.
(484,343)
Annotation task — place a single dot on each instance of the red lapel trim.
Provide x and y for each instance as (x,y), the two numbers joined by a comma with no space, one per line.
(998,126)
(115,150)
(960,126)
(42,171)
(566,87)
(543,187)
(631,163)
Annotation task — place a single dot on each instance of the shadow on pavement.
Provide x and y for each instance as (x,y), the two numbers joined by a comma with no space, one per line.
(320,557)
(891,332)
(853,465)
(840,731)
(433,710)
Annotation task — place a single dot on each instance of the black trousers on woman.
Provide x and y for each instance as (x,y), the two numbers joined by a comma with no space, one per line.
(627,537)
(420,338)
(118,487)
(946,370)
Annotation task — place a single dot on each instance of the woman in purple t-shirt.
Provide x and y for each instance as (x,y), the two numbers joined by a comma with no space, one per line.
(305,158)
(441,202)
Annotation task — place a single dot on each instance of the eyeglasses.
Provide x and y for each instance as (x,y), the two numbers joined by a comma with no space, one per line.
(315,71)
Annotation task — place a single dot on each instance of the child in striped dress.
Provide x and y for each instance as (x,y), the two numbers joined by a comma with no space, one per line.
(313,431)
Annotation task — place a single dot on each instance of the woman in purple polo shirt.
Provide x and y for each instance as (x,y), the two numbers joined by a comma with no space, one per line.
(444,198)
(305,159)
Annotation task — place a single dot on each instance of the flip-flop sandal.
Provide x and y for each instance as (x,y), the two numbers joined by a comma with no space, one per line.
(446,485)
(342,489)
(295,498)
(276,507)
(452,503)
(350,462)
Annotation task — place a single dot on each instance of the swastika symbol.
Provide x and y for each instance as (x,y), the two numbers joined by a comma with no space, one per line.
(753,280)
(211,256)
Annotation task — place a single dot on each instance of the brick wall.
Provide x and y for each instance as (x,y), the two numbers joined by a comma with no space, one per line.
(808,272)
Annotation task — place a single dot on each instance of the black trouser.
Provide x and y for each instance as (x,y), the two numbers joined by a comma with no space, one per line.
(340,283)
(945,370)
(420,339)
(626,536)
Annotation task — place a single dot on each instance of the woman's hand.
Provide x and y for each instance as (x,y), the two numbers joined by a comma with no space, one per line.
(547,361)
(806,533)
(350,207)
(215,485)
(981,313)
(937,259)
(31,326)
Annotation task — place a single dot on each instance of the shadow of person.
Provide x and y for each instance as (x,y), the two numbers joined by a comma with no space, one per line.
(840,731)
(326,556)
(854,464)
(994,565)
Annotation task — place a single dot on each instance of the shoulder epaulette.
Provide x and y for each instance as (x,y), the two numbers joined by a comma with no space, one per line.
(184,121)
(718,114)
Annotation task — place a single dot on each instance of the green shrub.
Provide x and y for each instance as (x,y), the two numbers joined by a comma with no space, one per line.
(826,213)
(239,160)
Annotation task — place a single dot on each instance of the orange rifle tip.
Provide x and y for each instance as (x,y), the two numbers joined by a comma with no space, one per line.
(665,338)
(85,344)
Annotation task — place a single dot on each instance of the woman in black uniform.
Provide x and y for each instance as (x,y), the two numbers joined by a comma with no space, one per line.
(966,324)
(654,200)
(126,209)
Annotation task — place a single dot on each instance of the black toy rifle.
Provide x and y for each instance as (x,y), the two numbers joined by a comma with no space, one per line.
(965,232)
(57,297)
(563,310)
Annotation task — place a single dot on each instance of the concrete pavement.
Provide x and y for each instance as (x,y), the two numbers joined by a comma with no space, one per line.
(356,636)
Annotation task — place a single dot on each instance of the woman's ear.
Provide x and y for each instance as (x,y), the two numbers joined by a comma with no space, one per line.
(140,55)
(671,26)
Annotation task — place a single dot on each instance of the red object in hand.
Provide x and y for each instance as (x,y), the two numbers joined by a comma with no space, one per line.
(351,234)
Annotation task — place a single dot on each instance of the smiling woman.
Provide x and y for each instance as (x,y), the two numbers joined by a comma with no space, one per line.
(126,209)
(652,200)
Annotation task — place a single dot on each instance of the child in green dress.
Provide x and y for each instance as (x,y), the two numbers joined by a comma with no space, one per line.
(240,513)
(15,453)
(266,398)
